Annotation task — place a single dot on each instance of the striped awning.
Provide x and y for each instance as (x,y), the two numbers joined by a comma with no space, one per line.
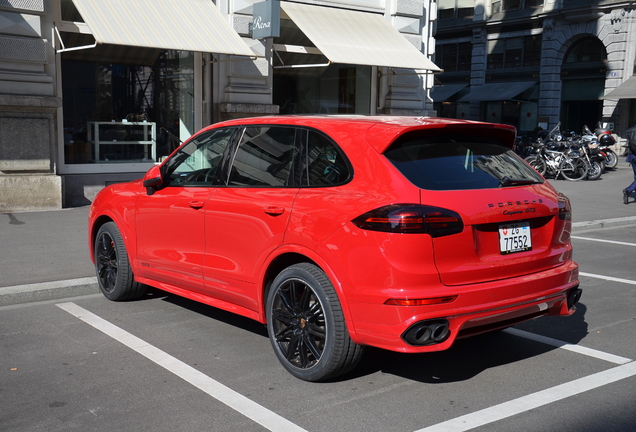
(188,25)
(353,37)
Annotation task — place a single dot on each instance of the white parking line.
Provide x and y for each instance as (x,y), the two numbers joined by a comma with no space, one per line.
(603,241)
(274,422)
(570,347)
(535,400)
(229,397)
(609,278)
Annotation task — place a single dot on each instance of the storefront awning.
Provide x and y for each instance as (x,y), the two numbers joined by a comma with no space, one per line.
(352,37)
(627,90)
(440,93)
(496,91)
(188,25)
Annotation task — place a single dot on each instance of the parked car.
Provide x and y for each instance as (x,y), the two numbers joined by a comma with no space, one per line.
(343,232)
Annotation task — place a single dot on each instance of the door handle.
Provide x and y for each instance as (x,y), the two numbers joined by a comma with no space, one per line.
(196,204)
(274,210)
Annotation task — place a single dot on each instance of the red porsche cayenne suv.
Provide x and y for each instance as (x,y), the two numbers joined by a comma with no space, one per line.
(343,232)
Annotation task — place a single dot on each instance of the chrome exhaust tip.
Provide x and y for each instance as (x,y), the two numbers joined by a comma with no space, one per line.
(428,332)
(574,296)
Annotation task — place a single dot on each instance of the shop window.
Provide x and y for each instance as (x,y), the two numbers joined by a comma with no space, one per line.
(335,89)
(124,104)
(304,84)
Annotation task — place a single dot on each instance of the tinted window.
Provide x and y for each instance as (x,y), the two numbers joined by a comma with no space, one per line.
(264,157)
(323,163)
(449,162)
(197,163)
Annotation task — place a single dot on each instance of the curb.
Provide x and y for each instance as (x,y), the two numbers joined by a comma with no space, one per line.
(48,291)
(76,287)
(603,223)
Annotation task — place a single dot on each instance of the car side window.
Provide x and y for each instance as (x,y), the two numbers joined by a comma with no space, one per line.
(264,157)
(325,164)
(197,163)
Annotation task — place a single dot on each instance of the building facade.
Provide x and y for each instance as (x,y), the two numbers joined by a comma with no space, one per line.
(94,92)
(535,63)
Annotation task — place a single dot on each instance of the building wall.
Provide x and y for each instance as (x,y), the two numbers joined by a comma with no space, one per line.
(28,107)
(31,104)
(561,24)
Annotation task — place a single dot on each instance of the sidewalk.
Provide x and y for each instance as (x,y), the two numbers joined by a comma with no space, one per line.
(44,255)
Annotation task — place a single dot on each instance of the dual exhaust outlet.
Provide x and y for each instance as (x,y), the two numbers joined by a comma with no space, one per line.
(429,332)
(436,331)
(574,296)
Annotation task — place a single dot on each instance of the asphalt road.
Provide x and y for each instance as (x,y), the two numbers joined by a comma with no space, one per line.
(164,363)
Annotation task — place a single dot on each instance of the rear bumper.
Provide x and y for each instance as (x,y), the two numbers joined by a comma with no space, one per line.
(479,308)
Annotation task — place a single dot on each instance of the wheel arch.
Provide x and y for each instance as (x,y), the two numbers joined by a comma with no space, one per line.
(295,256)
(96,222)
(96,225)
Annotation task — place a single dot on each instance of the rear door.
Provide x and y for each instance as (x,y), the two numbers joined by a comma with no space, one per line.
(514,221)
(246,220)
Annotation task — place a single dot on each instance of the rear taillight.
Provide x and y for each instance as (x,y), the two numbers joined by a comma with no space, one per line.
(410,218)
(565,208)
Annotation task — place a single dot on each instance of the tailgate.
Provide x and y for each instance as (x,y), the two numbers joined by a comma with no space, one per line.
(492,245)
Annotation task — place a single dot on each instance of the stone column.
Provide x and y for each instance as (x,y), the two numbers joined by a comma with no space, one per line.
(407,92)
(28,107)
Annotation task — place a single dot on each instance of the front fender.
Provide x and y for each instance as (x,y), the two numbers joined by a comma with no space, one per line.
(115,203)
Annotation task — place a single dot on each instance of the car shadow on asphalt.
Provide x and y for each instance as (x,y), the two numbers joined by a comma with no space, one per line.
(472,356)
(466,359)
(211,312)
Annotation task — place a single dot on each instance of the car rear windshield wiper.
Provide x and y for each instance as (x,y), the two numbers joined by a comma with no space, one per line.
(507,181)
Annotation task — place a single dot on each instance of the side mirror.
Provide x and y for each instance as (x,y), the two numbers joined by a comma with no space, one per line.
(152,180)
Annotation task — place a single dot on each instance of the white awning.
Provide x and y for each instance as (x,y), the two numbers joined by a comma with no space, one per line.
(352,37)
(627,90)
(188,25)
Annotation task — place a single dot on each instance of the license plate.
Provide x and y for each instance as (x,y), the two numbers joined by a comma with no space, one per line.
(515,238)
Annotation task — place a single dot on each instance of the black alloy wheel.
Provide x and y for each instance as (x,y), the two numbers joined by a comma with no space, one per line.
(306,325)
(114,275)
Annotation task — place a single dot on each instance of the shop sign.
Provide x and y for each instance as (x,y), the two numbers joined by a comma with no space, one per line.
(266,20)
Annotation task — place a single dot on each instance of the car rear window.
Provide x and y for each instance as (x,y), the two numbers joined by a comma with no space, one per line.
(456,162)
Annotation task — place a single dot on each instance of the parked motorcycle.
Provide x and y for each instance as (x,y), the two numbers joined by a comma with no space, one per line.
(606,141)
(555,156)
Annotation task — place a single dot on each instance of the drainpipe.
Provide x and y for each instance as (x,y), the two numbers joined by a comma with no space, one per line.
(207,90)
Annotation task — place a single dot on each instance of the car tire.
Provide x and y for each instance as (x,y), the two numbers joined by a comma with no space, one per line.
(114,274)
(306,325)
